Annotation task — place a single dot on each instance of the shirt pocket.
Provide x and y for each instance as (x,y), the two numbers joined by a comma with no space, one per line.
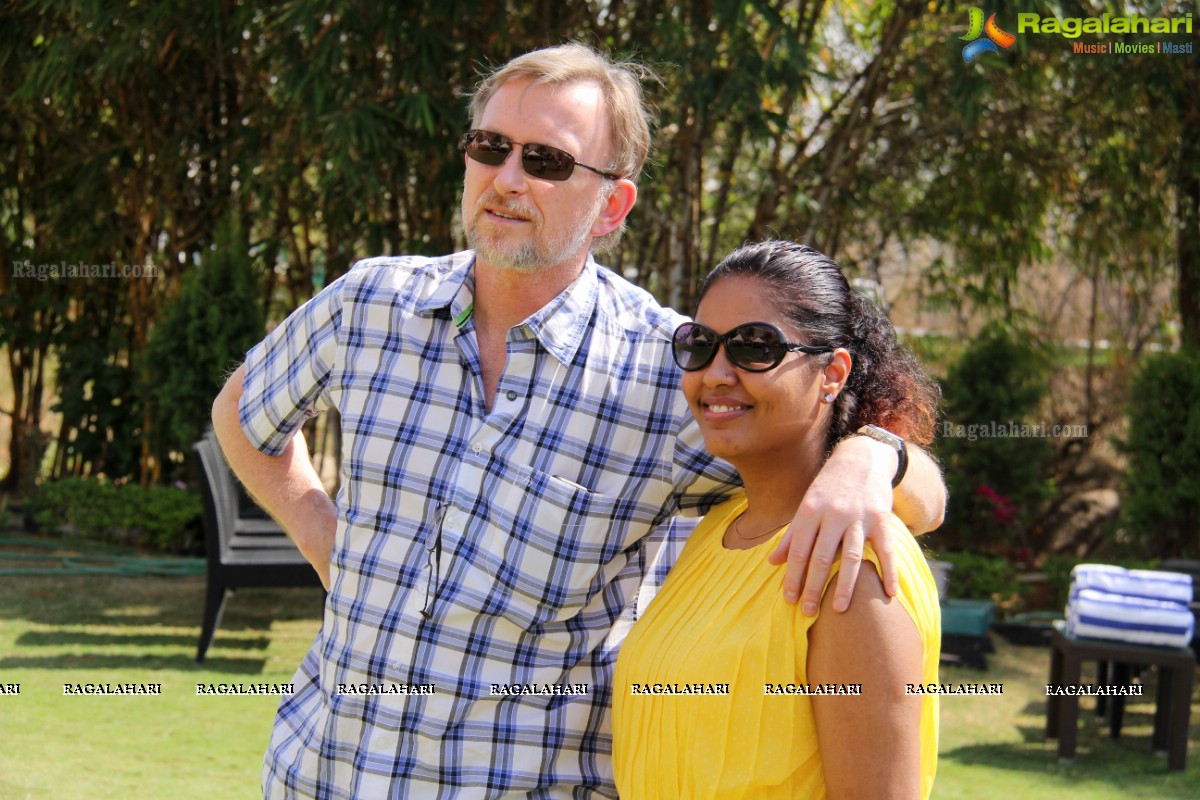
(550,546)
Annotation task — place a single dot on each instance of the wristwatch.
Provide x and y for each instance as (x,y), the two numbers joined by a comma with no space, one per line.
(891,440)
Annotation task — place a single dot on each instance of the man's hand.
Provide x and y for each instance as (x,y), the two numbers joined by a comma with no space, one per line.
(848,503)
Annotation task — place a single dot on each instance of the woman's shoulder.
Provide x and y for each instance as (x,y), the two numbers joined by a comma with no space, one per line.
(918,589)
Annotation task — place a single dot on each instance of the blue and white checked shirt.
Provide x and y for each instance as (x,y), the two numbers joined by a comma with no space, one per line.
(474,549)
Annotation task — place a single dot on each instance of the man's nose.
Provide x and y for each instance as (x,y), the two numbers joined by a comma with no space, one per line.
(510,176)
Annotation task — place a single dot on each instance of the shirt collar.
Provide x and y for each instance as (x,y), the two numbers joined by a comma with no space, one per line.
(454,287)
(560,325)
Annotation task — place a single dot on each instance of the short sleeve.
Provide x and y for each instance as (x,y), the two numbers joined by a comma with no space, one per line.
(288,374)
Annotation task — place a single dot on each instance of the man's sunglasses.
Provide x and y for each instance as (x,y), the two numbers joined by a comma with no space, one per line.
(538,160)
(754,346)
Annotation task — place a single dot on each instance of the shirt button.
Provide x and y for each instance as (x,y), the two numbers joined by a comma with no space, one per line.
(511,395)
(476,448)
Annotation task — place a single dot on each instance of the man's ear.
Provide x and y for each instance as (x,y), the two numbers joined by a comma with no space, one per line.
(620,202)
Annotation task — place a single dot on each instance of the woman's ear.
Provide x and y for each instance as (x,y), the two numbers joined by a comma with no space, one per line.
(836,372)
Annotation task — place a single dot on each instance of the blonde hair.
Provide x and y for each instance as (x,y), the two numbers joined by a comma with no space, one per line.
(620,84)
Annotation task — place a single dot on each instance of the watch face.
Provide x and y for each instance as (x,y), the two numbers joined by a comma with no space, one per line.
(882,435)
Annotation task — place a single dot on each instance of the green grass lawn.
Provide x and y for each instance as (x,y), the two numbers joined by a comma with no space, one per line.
(993,748)
(140,630)
(177,746)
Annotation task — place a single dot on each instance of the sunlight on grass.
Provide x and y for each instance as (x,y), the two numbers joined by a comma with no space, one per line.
(995,748)
(181,746)
(173,745)
(131,612)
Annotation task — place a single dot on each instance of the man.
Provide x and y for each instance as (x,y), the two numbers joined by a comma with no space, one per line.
(512,434)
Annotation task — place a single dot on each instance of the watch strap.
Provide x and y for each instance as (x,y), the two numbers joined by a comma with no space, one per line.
(891,440)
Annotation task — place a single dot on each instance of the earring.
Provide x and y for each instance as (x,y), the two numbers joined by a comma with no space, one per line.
(828,397)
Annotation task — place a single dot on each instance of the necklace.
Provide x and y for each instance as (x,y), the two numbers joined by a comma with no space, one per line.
(737,529)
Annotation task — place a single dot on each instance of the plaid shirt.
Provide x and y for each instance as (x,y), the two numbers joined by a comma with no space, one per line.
(475,549)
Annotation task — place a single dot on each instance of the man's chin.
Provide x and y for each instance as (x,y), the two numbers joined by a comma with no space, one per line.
(515,260)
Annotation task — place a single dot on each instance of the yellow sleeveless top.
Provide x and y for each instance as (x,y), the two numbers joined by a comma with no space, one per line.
(720,620)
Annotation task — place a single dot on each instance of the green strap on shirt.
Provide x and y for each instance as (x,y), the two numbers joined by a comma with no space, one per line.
(464,315)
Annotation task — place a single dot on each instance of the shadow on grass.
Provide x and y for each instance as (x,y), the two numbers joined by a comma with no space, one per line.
(148,602)
(117,623)
(176,663)
(61,638)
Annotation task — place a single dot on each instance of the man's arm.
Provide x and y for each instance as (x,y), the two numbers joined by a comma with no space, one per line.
(920,498)
(848,503)
(286,486)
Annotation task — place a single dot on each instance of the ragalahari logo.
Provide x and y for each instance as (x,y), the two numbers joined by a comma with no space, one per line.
(995,36)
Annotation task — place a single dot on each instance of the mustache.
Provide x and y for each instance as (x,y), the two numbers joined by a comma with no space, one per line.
(491,199)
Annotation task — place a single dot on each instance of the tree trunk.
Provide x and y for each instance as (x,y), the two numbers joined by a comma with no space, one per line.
(1187,203)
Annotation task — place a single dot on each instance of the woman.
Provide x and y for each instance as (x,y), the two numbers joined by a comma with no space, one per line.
(782,361)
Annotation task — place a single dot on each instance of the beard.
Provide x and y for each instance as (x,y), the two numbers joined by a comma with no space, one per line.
(539,252)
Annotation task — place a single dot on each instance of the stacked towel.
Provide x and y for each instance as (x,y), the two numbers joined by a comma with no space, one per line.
(1138,606)
(1174,587)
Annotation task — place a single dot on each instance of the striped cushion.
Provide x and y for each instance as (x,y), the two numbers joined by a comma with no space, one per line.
(1101,615)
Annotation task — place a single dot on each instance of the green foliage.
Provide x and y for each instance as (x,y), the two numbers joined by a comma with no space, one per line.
(203,335)
(1057,570)
(96,395)
(159,517)
(996,481)
(328,127)
(980,577)
(32,314)
(1160,510)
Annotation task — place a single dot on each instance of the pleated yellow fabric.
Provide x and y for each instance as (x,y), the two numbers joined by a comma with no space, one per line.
(720,618)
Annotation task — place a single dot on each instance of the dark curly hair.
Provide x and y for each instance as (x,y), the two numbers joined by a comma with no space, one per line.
(887,386)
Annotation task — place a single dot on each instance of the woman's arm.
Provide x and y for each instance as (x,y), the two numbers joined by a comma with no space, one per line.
(870,745)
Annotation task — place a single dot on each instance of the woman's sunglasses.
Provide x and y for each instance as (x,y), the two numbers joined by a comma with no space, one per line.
(754,346)
(538,160)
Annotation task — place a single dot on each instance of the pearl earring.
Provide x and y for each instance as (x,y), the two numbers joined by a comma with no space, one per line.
(828,397)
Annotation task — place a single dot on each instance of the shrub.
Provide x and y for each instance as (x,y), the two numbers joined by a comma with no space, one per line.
(203,334)
(161,517)
(96,396)
(981,577)
(997,481)
(1160,510)
(1057,570)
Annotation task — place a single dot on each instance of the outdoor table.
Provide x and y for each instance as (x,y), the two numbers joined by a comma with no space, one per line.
(1173,699)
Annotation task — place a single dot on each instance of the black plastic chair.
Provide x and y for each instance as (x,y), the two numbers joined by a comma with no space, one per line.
(244,549)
